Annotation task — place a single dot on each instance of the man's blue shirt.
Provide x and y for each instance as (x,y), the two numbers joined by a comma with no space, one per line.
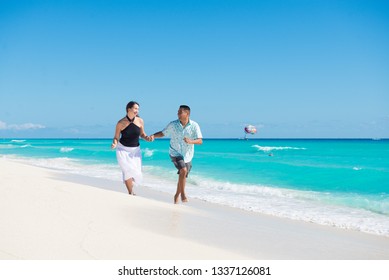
(177,132)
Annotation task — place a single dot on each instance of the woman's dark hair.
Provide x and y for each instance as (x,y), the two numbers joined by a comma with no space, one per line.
(131,104)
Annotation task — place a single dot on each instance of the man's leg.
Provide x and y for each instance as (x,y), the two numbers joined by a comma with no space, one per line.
(181,186)
(182,180)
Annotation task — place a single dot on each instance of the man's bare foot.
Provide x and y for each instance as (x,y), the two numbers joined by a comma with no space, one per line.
(184,199)
(176,199)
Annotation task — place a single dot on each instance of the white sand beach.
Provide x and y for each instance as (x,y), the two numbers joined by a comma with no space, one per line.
(49,215)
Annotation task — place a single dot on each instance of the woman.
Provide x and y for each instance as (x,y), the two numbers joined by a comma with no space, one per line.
(128,152)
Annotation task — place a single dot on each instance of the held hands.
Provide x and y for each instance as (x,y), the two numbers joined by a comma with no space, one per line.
(149,138)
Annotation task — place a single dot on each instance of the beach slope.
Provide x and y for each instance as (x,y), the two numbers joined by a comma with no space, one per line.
(46,214)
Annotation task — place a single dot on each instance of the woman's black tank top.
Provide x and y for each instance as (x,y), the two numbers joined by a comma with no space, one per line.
(130,135)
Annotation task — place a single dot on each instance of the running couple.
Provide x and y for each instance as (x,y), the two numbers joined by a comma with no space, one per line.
(184,133)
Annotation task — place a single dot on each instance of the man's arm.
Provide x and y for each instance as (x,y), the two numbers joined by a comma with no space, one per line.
(197,141)
(158,134)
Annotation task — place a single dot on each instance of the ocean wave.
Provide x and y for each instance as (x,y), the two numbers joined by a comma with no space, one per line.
(72,166)
(348,211)
(66,149)
(62,163)
(26,146)
(271,148)
(18,140)
(7,146)
(148,152)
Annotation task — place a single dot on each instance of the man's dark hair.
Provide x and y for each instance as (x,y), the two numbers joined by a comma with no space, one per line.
(185,107)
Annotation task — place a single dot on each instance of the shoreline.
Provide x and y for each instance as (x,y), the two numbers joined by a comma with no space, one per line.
(62,216)
(211,138)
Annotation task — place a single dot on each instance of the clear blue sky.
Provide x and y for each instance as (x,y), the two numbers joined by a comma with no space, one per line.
(292,68)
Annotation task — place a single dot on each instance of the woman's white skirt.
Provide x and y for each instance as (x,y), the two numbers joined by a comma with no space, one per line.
(130,161)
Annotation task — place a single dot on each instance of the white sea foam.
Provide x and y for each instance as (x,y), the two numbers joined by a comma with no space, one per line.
(63,163)
(107,171)
(321,208)
(18,140)
(66,150)
(148,152)
(7,146)
(270,148)
(25,146)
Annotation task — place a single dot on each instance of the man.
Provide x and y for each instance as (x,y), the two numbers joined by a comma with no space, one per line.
(184,133)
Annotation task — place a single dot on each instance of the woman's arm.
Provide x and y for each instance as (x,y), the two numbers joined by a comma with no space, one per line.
(143,134)
(115,139)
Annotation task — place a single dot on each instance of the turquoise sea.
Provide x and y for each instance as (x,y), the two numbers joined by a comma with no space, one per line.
(337,182)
